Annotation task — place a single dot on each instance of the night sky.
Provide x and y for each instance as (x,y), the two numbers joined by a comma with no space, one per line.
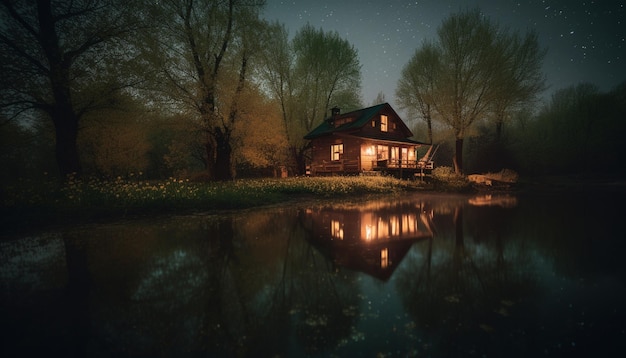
(586,40)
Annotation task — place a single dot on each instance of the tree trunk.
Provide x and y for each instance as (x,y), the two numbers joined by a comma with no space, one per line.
(66,131)
(458,156)
(429,123)
(299,159)
(499,125)
(210,157)
(223,155)
(62,113)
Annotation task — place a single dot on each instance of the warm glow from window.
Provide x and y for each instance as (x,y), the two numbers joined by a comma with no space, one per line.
(384,258)
(383,123)
(369,150)
(382,152)
(368,227)
(336,150)
(382,229)
(412,152)
(394,225)
(395,153)
(336,229)
(368,232)
(409,224)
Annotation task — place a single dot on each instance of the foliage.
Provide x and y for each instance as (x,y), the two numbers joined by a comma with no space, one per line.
(579,131)
(446,179)
(25,150)
(114,141)
(204,53)
(474,70)
(48,200)
(61,59)
(416,87)
(317,70)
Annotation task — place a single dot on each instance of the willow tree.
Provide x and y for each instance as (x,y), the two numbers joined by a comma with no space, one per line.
(519,77)
(416,87)
(62,59)
(317,70)
(475,70)
(204,49)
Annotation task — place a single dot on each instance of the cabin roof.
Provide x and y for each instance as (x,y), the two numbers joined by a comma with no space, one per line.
(361,118)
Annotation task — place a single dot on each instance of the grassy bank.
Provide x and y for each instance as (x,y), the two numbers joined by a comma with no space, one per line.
(29,204)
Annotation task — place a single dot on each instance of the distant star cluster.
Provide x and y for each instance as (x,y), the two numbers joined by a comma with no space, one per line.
(585,38)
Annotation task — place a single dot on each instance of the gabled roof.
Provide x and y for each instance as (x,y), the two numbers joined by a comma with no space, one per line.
(361,118)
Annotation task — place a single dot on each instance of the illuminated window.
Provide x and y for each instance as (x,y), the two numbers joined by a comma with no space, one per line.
(412,153)
(369,234)
(409,223)
(384,258)
(395,155)
(383,123)
(382,152)
(368,227)
(336,229)
(382,229)
(336,151)
(394,226)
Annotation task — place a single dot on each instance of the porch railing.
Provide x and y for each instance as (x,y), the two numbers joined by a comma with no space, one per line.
(332,166)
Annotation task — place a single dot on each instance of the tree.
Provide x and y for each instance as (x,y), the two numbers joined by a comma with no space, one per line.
(57,57)
(316,71)
(205,49)
(261,143)
(473,71)
(519,78)
(115,142)
(416,87)
(275,71)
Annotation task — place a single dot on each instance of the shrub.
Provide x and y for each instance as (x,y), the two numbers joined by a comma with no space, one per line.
(445,179)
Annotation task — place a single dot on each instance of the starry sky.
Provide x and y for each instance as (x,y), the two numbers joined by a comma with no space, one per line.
(585,39)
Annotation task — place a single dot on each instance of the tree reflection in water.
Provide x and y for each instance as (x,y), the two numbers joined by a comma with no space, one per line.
(458,297)
(420,275)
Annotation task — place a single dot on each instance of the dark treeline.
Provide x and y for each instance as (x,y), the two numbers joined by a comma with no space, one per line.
(578,131)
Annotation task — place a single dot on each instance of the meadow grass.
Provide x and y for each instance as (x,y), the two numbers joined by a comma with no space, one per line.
(32,203)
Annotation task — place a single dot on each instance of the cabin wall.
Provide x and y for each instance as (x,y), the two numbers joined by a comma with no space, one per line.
(321,148)
(394,127)
(321,156)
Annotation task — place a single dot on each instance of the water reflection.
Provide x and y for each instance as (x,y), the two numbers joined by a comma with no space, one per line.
(422,275)
(369,237)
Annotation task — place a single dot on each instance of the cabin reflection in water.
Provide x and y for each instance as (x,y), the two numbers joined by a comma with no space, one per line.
(368,237)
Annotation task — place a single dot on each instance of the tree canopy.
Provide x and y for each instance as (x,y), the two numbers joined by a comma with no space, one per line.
(317,70)
(60,58)
(473,71)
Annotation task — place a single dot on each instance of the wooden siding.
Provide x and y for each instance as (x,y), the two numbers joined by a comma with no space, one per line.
(322,163)
(366,146)
(360,155)
(394,129)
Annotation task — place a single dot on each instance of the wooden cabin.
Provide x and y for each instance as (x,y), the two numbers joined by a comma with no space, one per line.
(373,139)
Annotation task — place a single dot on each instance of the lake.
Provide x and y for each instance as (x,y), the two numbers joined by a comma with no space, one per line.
(425,275)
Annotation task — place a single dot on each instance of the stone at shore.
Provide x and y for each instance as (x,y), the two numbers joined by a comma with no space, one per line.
(505,176)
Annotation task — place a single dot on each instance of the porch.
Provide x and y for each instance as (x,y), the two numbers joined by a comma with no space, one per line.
(335,167)
(397,167)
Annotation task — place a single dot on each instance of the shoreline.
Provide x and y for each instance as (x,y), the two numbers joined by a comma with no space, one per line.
(26,219)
